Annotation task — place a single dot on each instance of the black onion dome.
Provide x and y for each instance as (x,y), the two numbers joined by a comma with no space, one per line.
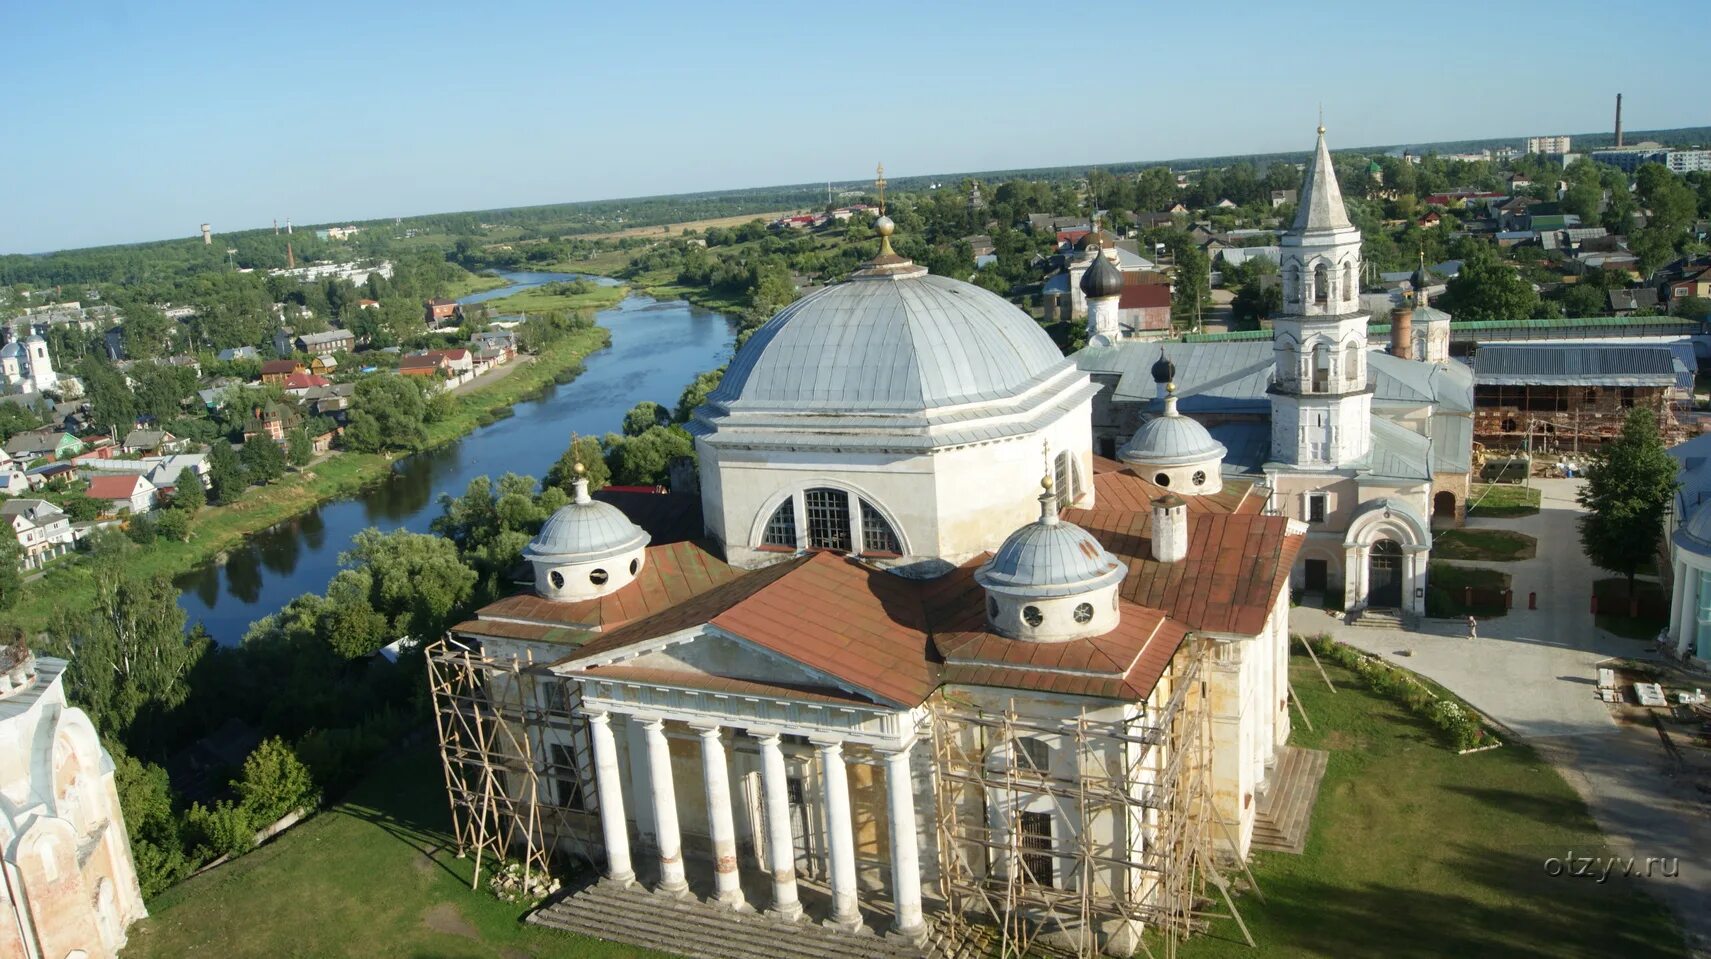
(1164,371)
(1102,279)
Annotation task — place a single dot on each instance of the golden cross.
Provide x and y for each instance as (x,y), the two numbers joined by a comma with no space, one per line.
(879,184)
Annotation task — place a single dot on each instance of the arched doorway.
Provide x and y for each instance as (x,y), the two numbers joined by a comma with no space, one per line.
(1443,509)
(1384,574)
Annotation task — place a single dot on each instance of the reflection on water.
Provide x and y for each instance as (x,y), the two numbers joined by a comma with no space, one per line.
(657,348)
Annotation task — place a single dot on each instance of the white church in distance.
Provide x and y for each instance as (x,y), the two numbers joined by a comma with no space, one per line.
(25,366)
(932,591)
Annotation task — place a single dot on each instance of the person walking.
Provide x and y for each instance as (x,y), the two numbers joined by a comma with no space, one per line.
(1472,628)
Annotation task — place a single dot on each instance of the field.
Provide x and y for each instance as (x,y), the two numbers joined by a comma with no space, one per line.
(1417,852)
(218,528)
(1414,852)
(542,299)
(678,229)
(474,283)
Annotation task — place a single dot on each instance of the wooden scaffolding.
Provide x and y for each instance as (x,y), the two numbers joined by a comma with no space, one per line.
(515,756)
(1137,800)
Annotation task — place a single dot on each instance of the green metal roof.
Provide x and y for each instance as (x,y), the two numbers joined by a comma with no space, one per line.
(1474,326)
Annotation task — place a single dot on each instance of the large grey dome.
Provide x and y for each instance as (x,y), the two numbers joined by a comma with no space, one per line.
(1049,557)
(1171,440)
(585,531)
(889,343)
(1695,534)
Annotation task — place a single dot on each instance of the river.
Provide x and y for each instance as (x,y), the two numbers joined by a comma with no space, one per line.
(657,348)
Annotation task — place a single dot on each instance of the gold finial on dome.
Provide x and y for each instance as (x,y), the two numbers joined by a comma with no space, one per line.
(579,468)
(1045,482)
(887,263)
(1321,119)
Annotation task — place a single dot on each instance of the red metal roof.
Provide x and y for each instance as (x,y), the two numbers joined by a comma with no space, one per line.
(1117,487)
(672,574)
(1144,296)
(122,486)
(278,366)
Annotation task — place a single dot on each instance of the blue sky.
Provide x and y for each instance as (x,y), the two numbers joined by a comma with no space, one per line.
(135,121)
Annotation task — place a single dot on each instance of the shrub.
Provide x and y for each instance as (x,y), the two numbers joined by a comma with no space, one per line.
(274,782)
(1457,723)
(224,830)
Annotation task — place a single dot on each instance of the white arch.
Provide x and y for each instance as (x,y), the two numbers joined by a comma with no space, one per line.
(757,526)
(1388,519)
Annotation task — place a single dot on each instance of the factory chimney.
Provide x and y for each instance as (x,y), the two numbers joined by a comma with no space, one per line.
(1618,120)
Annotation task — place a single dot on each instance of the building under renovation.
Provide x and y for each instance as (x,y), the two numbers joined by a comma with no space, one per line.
(1564,398)
(934,669)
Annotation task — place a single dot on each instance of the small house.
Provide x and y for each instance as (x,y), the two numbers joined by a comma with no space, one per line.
(125,493)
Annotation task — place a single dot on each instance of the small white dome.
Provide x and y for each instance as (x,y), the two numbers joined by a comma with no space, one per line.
(1171,440)
(1050,557)
(584,531)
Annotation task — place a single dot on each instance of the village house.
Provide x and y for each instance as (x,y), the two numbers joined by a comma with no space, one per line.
(238,353)
(37,444)
(286,343)
(276,372)
(68,887)
(454,367)
(125,493)
(152,443)
(43,530)
(272,420)
(441,312)
(299,385)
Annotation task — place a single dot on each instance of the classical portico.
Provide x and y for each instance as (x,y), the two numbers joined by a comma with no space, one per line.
(1384,557)
(764,734)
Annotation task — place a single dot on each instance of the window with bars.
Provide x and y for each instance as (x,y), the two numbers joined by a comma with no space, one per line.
(877,535)
(828,519)
(1063,475)
(781,529)
(1036,829)
(569,785)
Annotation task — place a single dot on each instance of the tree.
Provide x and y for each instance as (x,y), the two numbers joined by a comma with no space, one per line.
(82,508)
(131,650)
(1489,289)
(299,448)
(387,412)
(1629,485)
(587,451)
(644,416)
(418,580)
(225,473)
(645,460)
(274,783)
(157,843)
(11,578)
(173,524)
(187,492)
(354,630)
(696,393)
(263,461)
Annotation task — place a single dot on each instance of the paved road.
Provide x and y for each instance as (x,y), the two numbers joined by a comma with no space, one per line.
(1535,671)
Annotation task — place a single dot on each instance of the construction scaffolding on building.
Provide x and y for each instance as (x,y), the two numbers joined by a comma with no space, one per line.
(1137,800)
(515,757)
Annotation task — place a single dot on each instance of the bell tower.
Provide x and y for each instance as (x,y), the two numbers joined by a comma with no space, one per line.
(1321,397)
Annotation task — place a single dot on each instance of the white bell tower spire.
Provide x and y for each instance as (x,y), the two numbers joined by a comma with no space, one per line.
(1321,397)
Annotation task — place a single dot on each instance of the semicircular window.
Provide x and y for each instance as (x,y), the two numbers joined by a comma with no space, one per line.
(781,528)
(877,536)
(828,519)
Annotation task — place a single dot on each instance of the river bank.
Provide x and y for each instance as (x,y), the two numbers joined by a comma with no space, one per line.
(217,529)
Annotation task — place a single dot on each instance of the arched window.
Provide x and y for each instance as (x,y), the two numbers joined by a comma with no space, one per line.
(1067,479)
(1030,754)
(1321,284)
(1348,281)
(781,529)
(1292,283)
(877,535)
(1321,367)
(828,519)
(1351,362)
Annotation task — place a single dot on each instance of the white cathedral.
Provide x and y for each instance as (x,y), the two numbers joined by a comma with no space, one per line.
(933,652)
(25,366)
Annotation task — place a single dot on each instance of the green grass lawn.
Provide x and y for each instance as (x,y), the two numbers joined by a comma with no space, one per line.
(1483,544)
(1503,499)
(371,877)
(1446,590)
(473,283)
(1414,852)
(1418,852)
(1613,608)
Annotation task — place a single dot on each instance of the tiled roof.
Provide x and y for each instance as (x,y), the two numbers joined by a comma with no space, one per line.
(1236,565)
(115,487)
(278,366)
(672,574)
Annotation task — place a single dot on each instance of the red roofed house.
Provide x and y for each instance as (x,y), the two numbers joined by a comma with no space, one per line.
(439,312)
(1144,307)
(299,384)
(455,366)
(276,372)
(127,493)
(900,654)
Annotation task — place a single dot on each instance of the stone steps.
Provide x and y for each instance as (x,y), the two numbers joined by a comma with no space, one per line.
(1285,810)
(699,930)
(1381,619)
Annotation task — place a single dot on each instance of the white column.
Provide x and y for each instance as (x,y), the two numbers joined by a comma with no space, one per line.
(780,845)
(610,791)
(840,834)
(1679,582)
(1686,644)
(905,857)
(665,808)
(727,885)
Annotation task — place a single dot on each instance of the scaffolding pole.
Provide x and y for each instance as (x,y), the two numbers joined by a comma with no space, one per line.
(1137,795)
(515,758)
